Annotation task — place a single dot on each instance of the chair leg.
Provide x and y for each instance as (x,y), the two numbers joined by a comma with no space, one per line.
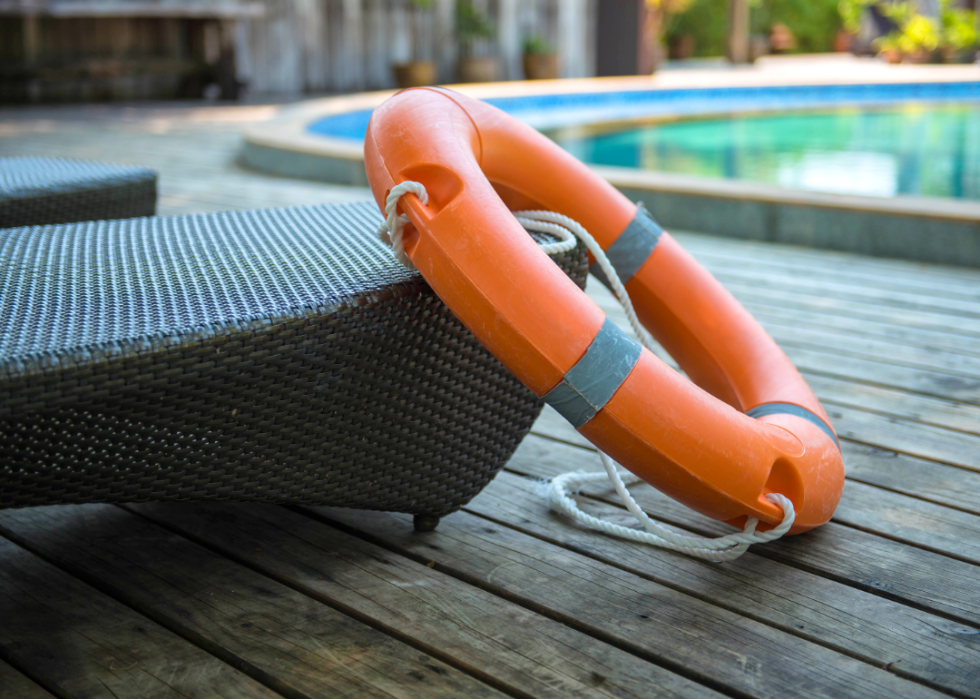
(426,523)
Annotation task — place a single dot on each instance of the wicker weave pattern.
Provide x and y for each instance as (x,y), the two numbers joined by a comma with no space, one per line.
(277,355)
(37,191)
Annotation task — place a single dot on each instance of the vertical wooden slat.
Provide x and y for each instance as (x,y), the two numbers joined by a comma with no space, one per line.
(571,38)
(445,39)
(738,31)
(509,39)
(32,39)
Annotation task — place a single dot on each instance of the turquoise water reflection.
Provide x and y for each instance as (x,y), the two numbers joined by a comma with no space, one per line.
(929,150)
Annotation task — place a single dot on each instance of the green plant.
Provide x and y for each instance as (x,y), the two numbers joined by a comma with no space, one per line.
(958,26)
(914,33)
(851,12)
(536,45)
(471,25)
(662,16)
(417,8)
(954,29)
(813,23)
(707,22)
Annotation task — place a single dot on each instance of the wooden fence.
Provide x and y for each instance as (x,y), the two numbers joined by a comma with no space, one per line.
(325,46)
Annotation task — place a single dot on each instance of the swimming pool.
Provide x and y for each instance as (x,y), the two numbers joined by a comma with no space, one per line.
(917,149)
(773,153)
(882,140)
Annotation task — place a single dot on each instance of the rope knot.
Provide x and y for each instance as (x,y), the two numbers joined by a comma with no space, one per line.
(391,230)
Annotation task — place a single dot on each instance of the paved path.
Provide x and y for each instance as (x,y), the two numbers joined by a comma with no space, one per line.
(506,599)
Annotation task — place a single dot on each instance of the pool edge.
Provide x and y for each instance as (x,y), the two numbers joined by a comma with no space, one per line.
(916,228)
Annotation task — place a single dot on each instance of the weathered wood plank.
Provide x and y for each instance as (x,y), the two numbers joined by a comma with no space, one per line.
(853,405)
(833,344)
(932,581)
(620,600)
(817,272)
(817,302)
(911,521)
(14,684)
(291,642)
(929,410)
(747,657)
(894,515)
(902,317)
(774,281)
(858,266)
(906,436)
(935,482)
(493,639)
(881,631)
(938,483)
(892,351)
(83,643)
(766,308)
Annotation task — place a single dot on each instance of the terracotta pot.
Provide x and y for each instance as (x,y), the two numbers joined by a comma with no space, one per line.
(540,66)
(843,40)
(891,56)
(681,47)
(478,69)
(919,57)
(415,74)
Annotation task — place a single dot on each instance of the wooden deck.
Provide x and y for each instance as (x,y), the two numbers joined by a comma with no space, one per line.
(506,599)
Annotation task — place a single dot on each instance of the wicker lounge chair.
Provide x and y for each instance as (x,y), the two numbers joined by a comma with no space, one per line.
(276,355)
(36,191)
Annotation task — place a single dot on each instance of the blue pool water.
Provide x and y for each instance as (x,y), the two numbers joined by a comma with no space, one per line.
(913,149)
(873,139)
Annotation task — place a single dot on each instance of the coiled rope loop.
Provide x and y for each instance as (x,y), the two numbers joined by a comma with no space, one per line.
(559,490)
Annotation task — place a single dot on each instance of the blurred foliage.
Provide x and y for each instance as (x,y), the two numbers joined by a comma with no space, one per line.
(537,45)
(707,22)
(663,16)
(952,31)
(851,12)
(814,23)
(471,23)
(958,26)
(914,33)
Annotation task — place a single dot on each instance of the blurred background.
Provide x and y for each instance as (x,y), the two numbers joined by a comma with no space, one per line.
(92,50)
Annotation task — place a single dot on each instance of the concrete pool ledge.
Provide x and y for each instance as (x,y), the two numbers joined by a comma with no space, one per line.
(924,229)
(918,228)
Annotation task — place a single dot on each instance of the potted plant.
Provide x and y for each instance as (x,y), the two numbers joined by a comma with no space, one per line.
(680,47)
(418,71)
(540,61)
(915,38)
(660,18)
(472,27)
(958,32)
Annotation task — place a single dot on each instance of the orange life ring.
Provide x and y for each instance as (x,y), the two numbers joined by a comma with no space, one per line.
(753,427)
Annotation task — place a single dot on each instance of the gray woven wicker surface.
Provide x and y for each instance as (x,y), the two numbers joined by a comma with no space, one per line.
(275,355)
(36,191)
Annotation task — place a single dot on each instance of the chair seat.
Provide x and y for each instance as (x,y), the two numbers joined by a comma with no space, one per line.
(36,191)
(276,355)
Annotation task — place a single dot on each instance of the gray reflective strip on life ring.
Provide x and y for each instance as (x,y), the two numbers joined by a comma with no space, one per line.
(632,248)
(589,385)
(790,409)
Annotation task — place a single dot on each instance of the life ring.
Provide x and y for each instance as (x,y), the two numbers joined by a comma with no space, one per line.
(745,425)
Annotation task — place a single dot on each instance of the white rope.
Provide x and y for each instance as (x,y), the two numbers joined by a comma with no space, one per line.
(558,491)
(392,228)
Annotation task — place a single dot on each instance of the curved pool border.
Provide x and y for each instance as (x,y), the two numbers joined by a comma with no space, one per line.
(918,228)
